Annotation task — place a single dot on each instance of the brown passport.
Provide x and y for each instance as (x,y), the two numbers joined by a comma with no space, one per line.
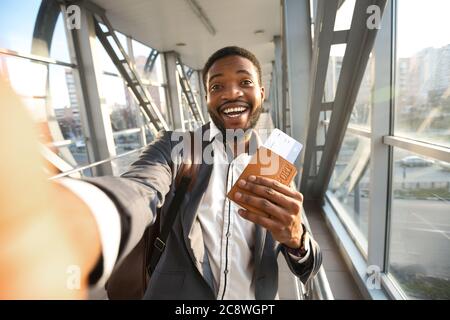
(268,164)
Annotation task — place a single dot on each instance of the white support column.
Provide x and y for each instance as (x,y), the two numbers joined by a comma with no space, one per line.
(278,78)
(273,91)
(174,90)
(297,41)
(95,117)
(380,153)
(202,93)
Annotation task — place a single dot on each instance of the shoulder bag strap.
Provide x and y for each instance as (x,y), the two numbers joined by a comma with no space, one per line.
(184,176)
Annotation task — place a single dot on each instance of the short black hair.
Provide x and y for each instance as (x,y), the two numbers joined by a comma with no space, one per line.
(231,51)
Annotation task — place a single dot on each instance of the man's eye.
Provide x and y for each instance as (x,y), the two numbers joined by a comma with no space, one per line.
(247,82)
(214,87)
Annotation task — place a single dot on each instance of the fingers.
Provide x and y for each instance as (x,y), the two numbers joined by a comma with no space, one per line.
(281,207)
(288,202)
(267,194)
(276,185)
(272,210)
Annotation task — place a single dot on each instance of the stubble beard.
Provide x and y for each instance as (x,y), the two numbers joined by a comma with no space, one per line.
(251,123)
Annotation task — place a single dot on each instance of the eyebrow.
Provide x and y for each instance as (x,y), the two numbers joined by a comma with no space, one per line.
(221,74)
(244,71)
(215,76)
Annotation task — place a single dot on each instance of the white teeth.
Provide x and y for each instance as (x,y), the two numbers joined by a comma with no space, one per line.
(234,109)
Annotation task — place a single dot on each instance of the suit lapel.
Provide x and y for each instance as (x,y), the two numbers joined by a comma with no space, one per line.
(191,230)
(192,233)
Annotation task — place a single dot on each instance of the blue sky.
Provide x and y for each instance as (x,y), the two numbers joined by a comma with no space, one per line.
(17,19)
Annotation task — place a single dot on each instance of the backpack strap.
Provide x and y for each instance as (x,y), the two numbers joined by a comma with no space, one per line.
(185,175)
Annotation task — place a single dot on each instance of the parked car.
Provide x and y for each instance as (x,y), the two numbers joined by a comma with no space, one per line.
(415,161)
(444,165)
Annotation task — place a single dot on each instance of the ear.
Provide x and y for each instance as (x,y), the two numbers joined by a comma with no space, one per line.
(263,94)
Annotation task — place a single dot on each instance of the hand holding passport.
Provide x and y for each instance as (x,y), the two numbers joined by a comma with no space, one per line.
(273,160)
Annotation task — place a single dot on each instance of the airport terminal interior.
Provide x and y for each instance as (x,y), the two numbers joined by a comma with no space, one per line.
(364,85)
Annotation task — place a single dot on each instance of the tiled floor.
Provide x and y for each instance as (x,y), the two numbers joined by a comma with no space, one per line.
(341,282)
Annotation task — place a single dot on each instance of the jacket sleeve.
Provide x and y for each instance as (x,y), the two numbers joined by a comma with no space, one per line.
(307,269)
(140,191)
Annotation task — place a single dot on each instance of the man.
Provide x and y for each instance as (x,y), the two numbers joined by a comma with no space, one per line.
(216,250)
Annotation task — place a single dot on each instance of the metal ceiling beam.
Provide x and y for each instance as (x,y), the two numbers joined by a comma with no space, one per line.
(360,40)
(151,59)
(323,39)
(360,43)
(126,69)
(200,13)
(187,92)
(45,27)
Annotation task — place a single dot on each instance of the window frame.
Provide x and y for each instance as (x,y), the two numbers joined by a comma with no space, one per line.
(383,142)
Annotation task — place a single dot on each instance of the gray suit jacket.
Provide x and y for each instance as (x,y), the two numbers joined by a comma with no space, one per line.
(183,271)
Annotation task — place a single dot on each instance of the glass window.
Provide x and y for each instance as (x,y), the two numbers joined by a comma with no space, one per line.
(152,79)
(141,57)
(344,15)
(337,53)
(127,121)
(195,83)
(59,49)
(18,29)
(123,111)
(192,123)
(123,42)
(422,108)
(195,87)
(158,95)
(419,251)
(350,184)
(67,112)
(103,59)
(363,105)
(50,95)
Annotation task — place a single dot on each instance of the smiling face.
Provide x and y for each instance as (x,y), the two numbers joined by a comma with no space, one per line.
(234,95)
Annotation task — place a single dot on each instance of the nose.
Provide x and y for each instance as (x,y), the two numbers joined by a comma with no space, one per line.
(232,92)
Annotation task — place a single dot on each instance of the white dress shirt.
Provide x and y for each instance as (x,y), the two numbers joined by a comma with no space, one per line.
(229,239)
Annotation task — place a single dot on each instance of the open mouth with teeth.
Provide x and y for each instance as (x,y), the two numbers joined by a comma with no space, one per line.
(234,112)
